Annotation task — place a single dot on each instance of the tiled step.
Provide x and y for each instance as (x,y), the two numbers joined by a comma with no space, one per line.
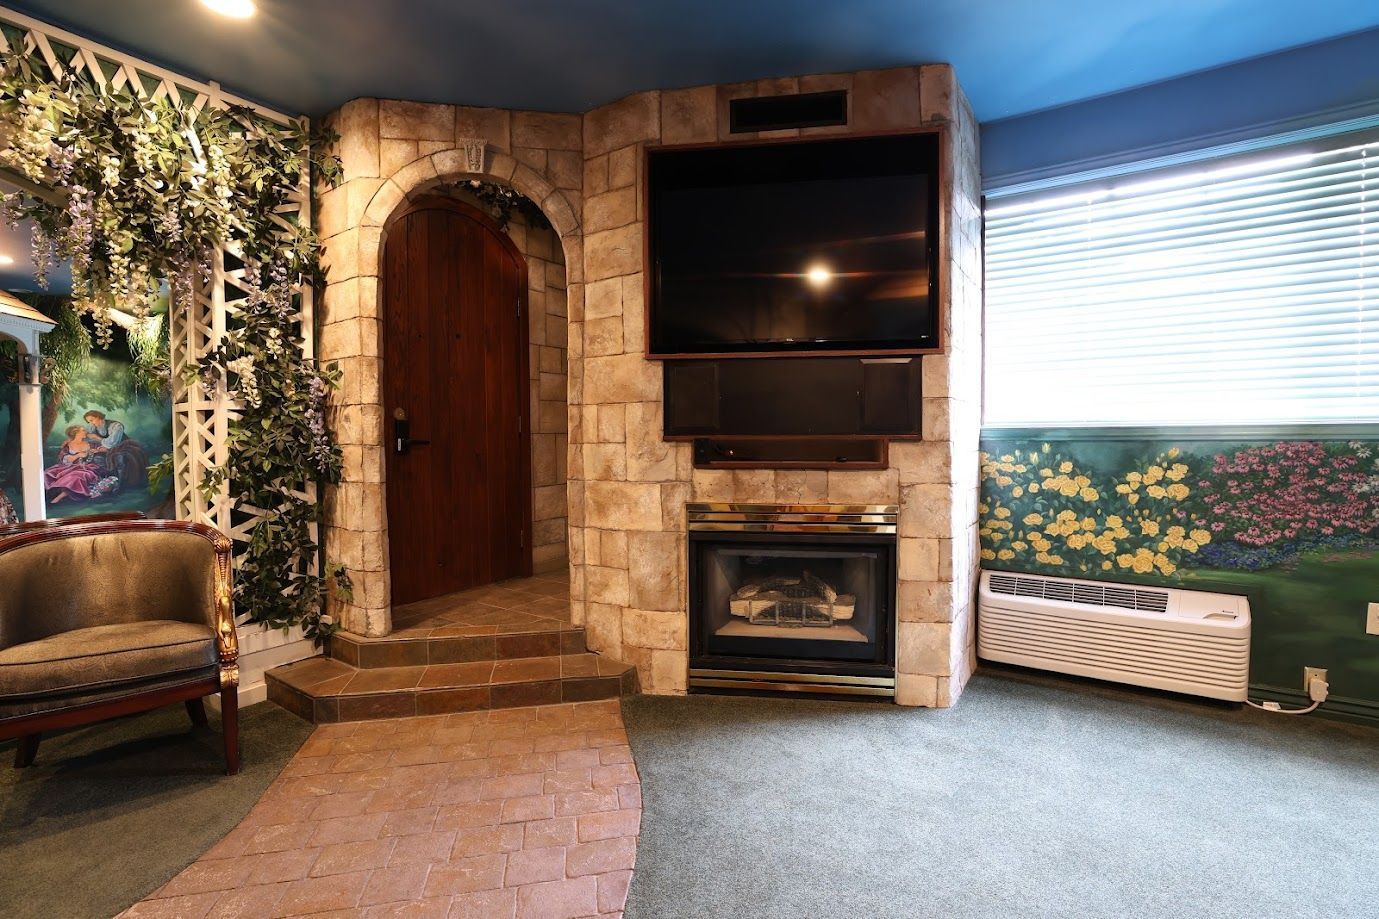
(409,649)
(323,689)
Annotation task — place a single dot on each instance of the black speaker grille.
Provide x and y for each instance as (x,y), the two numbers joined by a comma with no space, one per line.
(778,113)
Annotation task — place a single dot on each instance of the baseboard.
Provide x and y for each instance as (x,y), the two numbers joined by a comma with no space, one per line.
(1335,708)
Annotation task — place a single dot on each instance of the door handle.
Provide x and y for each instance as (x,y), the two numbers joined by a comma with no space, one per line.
(403,441)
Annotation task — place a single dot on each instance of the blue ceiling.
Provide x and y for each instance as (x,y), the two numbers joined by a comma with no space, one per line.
(1012,56)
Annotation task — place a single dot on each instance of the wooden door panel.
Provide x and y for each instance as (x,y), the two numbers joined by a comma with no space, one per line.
(455,360)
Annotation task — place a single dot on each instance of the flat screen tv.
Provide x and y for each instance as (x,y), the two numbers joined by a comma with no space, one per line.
(820,245)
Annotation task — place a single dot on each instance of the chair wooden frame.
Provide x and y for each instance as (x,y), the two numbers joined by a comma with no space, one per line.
(29,728)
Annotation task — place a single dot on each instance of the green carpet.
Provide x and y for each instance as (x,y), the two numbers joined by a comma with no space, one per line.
(111,812)
(1033,797)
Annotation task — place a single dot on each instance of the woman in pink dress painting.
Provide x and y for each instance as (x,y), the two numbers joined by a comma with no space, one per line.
(76,474)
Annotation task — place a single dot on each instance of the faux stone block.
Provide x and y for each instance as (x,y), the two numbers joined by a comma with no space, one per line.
(668,631)
(885,99)
(547,130)
(622,505)
(622,378)
(689,116)
(416,120)
(918,559)
(490,124)
(635,118)
(612,253)
(915,689)
(655,561)
(610,210)
(606,585)
(922,647)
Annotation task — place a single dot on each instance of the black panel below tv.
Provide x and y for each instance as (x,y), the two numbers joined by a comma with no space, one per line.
(829,397)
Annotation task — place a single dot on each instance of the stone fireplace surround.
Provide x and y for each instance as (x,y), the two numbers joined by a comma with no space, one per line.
(627,488)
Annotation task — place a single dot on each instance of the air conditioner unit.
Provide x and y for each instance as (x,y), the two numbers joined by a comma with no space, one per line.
(1184,641)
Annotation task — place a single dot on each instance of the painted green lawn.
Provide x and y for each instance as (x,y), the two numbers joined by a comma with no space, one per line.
(1310,612)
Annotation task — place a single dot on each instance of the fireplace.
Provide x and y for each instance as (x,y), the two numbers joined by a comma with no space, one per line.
(792,598)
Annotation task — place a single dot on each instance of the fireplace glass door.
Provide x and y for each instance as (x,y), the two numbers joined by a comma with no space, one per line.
(793,602)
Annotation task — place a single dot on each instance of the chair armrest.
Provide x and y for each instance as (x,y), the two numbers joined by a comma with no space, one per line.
(226,636)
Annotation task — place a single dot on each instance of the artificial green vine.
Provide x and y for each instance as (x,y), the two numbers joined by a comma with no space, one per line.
(148,192)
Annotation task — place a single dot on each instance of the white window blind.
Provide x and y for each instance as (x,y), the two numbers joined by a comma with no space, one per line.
(1242,290)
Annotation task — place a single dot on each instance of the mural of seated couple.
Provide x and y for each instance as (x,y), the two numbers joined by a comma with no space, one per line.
(96,460)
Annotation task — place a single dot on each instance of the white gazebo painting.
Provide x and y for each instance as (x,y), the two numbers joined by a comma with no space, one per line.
(22,323)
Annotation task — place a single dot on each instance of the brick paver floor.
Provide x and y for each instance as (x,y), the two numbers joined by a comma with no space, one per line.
(527,813)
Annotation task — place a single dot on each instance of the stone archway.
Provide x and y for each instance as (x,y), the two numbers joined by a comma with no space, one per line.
(352,218)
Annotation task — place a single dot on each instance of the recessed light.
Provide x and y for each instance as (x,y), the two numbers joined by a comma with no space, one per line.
(235,9)
(6,259)
(818,275)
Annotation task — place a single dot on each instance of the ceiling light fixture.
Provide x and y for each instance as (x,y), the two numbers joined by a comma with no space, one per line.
(234,9)
(6,259)
(818,275)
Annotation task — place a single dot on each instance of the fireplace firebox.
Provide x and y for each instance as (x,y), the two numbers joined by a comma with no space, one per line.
(792,598)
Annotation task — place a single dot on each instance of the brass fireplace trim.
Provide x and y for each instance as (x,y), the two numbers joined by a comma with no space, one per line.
(792,518)
(775,681)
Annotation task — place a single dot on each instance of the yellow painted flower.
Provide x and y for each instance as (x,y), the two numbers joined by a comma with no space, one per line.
(1042,556)
(1173,452)
(1034,457)
(1142,565)
(1133,477)
(1177,492)
(1113,521)
(1105,566)
(1003,480)
(1123,489)
(1133,499)
(1067,515)
(1033,487)
(1089,494)
(1016,492)
(1065,467)
(1201,537)
(1088,523)
(1149,527)
(1007,458)
(1044,448)
(1125,560)
(988,555)
(1002,512)
(1046,472)
(1005,555)
(1189,545)
(1068,490)
(1019,545)
(1156,491)
(1033,520)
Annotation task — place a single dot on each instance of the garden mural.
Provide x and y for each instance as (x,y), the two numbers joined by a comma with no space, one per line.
(106,417)
(1292,524)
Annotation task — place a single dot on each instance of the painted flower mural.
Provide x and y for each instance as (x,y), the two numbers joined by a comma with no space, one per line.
(1242,507)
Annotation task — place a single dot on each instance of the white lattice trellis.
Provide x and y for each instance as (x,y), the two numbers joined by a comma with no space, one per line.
(200,424)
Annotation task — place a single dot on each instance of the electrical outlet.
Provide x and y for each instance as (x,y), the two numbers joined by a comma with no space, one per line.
(1372,620)
(1312,673)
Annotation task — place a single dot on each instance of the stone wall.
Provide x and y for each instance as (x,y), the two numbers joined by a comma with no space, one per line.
(391,151)
(626,487)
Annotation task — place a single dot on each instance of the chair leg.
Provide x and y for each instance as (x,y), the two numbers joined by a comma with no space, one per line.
(229,725)
(196,710)
(28,749)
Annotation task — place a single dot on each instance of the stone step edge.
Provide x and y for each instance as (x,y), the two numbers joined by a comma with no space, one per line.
(375,653)
(406,703)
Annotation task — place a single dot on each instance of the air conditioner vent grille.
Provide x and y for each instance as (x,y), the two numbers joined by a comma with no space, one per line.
(1144,600)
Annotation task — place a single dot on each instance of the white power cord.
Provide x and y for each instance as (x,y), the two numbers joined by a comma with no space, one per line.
(1317,689)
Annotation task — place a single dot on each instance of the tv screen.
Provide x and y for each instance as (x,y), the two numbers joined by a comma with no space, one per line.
(823,245)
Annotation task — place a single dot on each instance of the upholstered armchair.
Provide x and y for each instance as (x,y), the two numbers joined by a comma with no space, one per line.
(108,617)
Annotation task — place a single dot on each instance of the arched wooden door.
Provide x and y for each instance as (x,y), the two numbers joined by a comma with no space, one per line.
(455,400)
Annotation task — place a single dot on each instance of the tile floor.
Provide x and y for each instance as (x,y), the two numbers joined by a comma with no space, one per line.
(526,813)
(532,604)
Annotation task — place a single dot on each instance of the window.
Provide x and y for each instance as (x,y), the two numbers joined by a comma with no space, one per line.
(1237,290)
